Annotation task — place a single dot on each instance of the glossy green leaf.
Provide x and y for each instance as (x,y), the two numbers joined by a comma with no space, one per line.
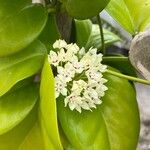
(50,33)
(107,127)
(95,38)
(133,15)
(48,111)
(88,35)
(16,105)
(83,31)
(15,137)
(21,65)
(121,63)
(21,23)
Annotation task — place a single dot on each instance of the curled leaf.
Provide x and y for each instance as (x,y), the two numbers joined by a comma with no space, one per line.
(140,53)
(48,110)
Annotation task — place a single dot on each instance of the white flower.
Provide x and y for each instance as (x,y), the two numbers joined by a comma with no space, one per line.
(91,94)
(53,58)
(93,75)
(79,75)
(62,55)
(100,89)
(102,68)
(74,102)
(64,74)
(78,86)
(69,69)
(78,66)
(73,48)
(60,87)
(81,52)
(59,44)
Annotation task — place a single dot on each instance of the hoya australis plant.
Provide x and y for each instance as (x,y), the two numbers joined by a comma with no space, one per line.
(58,88)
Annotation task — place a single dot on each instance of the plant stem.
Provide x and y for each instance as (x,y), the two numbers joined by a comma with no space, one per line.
(47,2)
(101,33)
(128,77)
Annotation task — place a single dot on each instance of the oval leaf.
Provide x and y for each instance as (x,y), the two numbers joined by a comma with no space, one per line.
(15,137)
(16,105)
(133,15)
(21,65)
(21,22)
(107,127)
(48,111)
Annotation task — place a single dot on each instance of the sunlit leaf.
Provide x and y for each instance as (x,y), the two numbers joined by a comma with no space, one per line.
(21,65)
(48,111)
(16,105)
(21,22)
(106,127)
(14,138)
(133,15)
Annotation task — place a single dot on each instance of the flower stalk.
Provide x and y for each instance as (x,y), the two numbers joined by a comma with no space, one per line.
(101,34)
(134,79)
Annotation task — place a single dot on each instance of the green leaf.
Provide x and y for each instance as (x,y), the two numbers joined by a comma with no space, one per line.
(83,31)
(109,126)
(133,15)
(14,138)
(48,111)
(16,105)
(88,35)
(121,63)
(95,38)
(33,140)
(21,65)
(21,23)
(50,33)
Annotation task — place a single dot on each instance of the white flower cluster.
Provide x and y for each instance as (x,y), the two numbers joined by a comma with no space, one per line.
(78,75)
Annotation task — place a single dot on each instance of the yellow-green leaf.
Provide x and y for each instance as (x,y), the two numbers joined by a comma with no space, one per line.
(48,110)
(21,23)
(16,105)
(14,138)
(21,65)
(133,15)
